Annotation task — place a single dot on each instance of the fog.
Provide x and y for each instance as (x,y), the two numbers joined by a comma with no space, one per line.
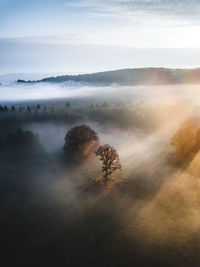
(42,91)
(147,216)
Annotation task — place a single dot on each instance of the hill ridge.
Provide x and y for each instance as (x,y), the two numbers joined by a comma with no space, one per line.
(131,76)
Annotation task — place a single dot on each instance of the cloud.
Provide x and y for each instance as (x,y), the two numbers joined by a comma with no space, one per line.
(185,10)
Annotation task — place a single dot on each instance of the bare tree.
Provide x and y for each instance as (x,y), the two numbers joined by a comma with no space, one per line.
(110,160)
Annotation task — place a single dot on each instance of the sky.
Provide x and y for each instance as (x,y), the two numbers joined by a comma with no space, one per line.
(77,36)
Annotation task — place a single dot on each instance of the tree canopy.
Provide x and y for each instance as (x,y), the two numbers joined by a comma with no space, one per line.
(187,138)
(80,142)
(110,160)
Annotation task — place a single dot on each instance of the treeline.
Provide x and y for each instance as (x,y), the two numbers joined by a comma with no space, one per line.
(121,115)
(14,108)
(52,108)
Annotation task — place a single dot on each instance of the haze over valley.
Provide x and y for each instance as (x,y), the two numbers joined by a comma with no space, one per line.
(100,133)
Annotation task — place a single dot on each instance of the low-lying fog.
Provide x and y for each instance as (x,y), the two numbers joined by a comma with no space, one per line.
(153,220)
(41,91)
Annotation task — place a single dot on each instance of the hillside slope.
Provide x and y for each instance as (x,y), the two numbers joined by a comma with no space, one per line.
(155,76)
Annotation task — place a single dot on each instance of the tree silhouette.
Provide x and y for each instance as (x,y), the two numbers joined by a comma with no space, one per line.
(67,105)
(110,160)
(21,138)
(3,109)
(13,108)
(21,143)
(80,142)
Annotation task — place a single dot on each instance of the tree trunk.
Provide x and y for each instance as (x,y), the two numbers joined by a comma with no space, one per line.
(106,176)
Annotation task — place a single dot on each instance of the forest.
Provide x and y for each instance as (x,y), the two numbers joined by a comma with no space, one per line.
(88,182)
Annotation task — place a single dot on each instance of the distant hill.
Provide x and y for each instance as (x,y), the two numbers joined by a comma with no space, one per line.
(140,76)
(11,77)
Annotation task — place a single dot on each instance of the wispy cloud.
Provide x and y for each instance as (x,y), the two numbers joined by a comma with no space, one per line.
(154,23)
(176,9)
